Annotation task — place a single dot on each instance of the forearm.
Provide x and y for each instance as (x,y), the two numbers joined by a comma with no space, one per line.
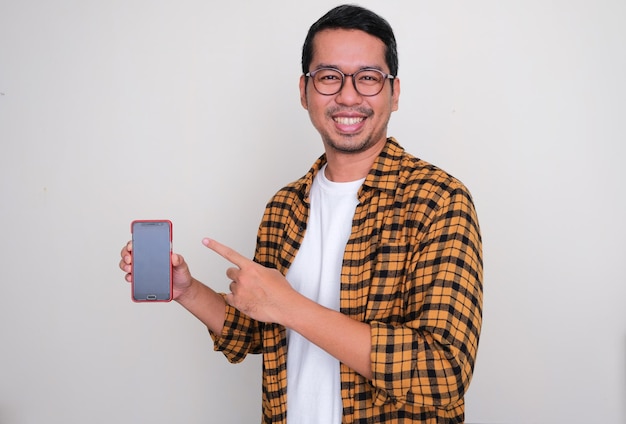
(342,337)
(205,304)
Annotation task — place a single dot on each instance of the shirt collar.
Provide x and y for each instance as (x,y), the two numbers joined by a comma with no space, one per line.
(384,173)
(382,176)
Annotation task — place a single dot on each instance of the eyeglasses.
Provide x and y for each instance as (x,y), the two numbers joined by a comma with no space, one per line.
(367,82)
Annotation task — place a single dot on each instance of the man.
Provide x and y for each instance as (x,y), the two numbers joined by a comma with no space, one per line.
(365,293)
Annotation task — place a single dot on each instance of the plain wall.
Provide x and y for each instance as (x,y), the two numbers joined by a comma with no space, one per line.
(117,110)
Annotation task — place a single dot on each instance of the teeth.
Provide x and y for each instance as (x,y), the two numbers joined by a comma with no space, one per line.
(348,121)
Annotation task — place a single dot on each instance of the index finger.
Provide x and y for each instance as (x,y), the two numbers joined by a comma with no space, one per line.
(226,252)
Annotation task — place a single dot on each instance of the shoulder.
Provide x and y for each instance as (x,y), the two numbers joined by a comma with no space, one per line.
(289,193)
(419,173)
(420,178)
(425,190)
(297,190)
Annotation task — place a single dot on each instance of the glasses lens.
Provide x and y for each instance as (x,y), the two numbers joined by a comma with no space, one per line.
(369,82)
(328,81)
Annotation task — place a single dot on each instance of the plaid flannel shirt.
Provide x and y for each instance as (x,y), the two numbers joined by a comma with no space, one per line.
(412,270)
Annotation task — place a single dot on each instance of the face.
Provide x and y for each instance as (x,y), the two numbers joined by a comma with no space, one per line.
(348,122)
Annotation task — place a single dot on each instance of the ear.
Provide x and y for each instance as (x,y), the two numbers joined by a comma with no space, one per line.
(396,94)
(303,99)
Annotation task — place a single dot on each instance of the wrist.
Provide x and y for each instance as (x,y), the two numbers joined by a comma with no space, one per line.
(295,308)
(188,293)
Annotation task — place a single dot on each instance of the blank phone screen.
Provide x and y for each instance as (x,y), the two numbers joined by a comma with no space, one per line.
(151,260)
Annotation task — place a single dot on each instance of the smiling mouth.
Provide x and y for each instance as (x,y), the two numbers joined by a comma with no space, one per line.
(348,120)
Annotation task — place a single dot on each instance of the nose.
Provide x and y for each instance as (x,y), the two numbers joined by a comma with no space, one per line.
(348,94)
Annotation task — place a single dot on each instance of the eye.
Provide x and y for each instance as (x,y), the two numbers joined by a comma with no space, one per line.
(328,76)
(370,77)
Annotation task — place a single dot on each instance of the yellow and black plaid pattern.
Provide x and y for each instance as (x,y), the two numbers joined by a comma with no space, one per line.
(412,269)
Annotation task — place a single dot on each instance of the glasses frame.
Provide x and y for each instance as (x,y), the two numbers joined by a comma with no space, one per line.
(385,76)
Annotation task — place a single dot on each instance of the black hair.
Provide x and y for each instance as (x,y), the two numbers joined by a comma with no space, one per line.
(353,17)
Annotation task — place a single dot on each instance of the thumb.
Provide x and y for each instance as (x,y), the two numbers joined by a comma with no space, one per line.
(177,260)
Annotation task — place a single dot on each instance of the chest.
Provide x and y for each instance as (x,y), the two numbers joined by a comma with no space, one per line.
(377,263)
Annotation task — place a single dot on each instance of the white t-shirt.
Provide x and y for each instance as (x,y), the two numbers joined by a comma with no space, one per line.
(313,383)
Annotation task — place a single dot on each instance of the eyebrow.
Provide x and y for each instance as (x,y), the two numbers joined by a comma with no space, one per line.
(327,65)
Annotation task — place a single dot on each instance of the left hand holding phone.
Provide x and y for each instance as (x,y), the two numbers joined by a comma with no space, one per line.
(156,273)
(181,276)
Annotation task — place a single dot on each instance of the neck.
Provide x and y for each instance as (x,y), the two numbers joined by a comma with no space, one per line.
(345,167)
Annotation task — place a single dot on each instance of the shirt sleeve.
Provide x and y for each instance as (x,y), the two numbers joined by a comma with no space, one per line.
(240,336)
(429,359)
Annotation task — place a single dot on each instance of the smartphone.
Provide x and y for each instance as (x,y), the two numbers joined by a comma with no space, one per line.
(152,260)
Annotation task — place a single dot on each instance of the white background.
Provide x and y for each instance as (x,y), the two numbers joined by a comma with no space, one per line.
(189,110)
